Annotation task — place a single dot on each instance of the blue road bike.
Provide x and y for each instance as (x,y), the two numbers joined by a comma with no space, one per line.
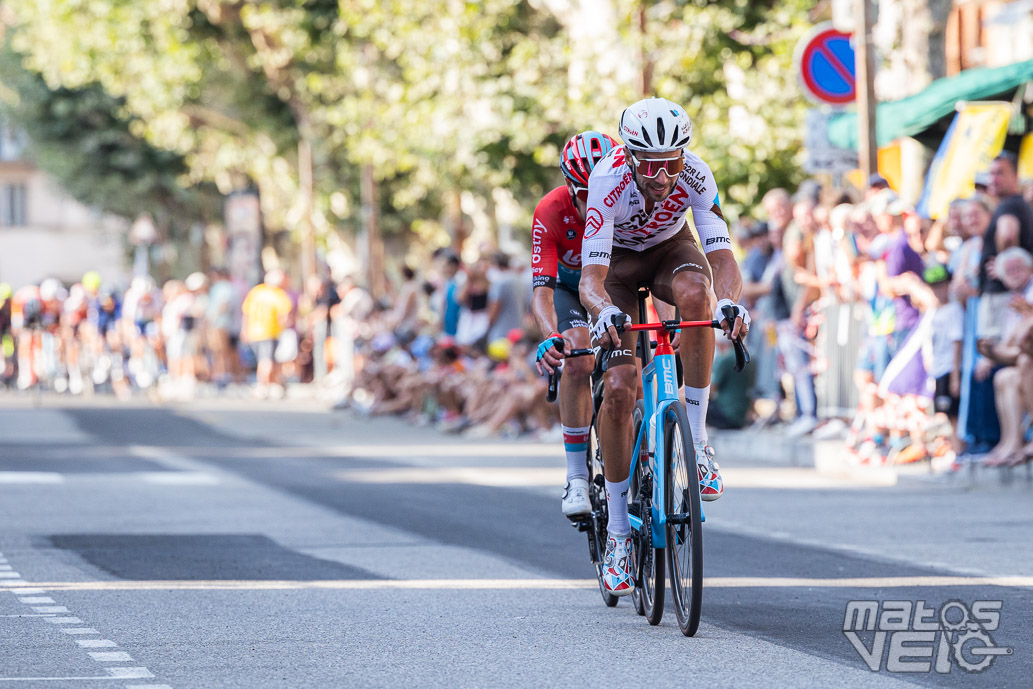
(664,502)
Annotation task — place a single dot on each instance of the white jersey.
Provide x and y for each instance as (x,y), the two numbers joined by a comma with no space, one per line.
(617,210)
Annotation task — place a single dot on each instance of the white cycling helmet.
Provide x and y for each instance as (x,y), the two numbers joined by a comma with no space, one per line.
(655,125)
(50,289)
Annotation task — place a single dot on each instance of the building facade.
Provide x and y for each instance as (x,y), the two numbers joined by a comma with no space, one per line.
(46,233)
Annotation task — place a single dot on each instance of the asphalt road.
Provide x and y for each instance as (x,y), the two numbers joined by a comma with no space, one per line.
(238,544)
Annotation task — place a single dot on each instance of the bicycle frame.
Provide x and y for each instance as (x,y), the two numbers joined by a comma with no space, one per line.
(659,391)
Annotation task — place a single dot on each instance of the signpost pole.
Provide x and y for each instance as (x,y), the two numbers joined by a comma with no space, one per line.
(866,145)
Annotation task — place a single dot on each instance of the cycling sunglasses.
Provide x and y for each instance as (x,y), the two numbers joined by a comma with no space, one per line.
(650,168)
(580,192)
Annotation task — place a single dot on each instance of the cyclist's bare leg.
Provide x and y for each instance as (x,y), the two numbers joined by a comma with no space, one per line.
(575,393)
(614,428)
(696,302)
(621,384)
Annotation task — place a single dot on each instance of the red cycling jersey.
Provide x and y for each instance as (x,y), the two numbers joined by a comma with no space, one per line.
(556,241)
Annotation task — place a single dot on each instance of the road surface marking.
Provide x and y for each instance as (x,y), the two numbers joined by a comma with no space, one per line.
(178,478)
(115,673)
(130,672)
(530,584)
(110,656)
(478,476)
(10,575)
(31,477)
(29,592)
(107,678)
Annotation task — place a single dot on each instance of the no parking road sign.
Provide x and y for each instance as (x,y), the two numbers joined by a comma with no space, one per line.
(825,66)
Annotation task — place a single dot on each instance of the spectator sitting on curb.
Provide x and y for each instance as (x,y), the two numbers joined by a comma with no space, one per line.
(1014,267)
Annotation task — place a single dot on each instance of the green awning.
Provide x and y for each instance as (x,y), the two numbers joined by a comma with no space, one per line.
(916,114)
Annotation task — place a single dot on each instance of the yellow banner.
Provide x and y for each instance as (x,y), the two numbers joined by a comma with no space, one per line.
(1026,158)
(977,135)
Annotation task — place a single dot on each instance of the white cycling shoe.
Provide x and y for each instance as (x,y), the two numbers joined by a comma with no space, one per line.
(575,500)
(711,485)
(617,577)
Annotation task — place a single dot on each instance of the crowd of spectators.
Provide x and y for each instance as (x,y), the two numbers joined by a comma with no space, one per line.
(455,347)
(909,338)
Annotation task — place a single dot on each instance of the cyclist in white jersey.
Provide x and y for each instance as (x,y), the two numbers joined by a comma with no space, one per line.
(636,232)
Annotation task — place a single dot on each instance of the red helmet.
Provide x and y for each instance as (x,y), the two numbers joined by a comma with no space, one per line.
(581,154)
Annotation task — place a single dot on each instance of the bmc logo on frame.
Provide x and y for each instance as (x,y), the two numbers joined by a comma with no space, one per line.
(908,636)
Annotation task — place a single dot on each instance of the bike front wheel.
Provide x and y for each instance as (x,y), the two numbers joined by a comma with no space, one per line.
(648,561)
(684,529)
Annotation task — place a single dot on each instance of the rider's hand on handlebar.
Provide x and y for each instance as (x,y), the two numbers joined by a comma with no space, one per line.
(742,320)
(604,330)
(548,356)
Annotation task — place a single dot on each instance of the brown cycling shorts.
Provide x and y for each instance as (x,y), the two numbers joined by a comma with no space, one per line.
(655,267)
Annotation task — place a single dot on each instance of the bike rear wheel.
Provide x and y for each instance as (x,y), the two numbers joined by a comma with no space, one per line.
(684,527)
(648,561)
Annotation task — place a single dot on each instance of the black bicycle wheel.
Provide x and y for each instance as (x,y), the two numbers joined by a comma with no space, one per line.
(684,528)
(648,561)
(597,520)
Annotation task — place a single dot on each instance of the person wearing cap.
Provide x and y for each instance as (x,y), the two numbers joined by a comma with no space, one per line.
(876,183)
(948,336)
(911,375)
(900,257)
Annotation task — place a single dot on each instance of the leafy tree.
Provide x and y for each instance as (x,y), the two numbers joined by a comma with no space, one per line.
(82,138)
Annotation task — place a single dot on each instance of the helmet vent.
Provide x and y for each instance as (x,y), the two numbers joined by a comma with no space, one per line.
(660,130)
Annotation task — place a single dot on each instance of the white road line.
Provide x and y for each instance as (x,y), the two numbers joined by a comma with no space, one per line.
(50,608)
(31,477)
(148,686)
(109,678)
(10,575)
(64,620)
(130,672)
(6,568)
(178,478)
(29,592)
(80,630)
(31,600)
(538,584)
(96,643)
(110,656)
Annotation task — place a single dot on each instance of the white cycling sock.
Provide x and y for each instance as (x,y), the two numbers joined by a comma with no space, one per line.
(617,501)
(696,402)
(575,444)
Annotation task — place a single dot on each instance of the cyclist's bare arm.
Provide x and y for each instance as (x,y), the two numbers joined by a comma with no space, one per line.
(727,283)
(592,290)
(544,312)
